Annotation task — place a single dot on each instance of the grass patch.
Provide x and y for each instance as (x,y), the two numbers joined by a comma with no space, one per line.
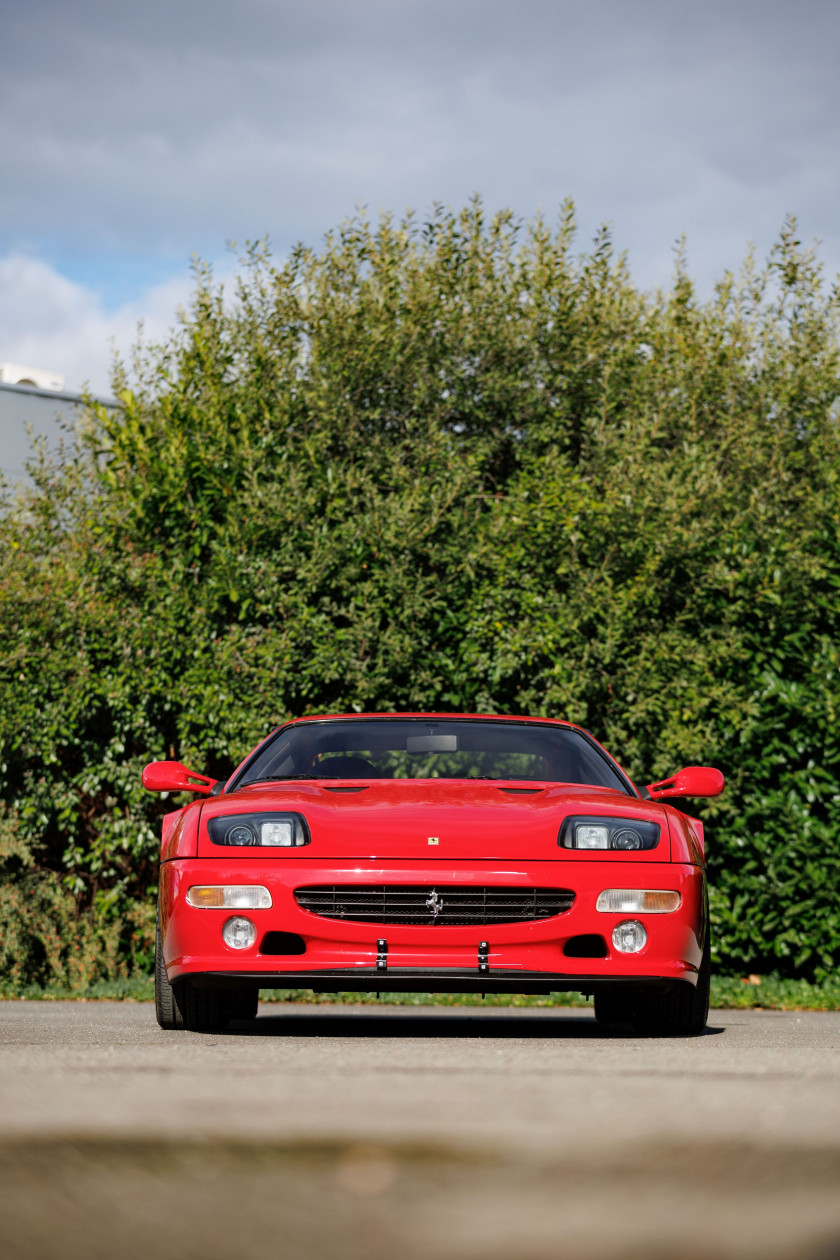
(307,998)
(728,992)
(135,989)
(772,994)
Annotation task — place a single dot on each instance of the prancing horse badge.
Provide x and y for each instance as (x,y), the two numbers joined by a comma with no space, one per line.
(434,839)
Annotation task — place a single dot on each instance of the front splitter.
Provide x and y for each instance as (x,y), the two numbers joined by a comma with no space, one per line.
(425,980)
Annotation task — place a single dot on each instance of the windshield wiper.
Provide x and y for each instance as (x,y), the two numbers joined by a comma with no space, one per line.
(491,778)
(280,778)
(486,778)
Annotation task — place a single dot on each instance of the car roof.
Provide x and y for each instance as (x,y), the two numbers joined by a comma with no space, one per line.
(481,717)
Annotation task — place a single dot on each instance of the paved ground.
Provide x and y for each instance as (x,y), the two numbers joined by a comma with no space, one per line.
(379,1132)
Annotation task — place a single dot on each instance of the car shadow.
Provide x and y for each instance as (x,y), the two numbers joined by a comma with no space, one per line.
(435,1024)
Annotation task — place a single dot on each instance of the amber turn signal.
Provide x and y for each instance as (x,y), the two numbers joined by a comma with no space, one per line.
(638,901)
(229,897)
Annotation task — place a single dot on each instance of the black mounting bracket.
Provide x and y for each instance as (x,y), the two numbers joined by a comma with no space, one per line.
(382,955)
(483,958)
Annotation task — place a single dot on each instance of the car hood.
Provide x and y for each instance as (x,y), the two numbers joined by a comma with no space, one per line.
(432,819)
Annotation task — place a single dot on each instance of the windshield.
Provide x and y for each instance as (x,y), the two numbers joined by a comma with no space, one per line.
(415,748)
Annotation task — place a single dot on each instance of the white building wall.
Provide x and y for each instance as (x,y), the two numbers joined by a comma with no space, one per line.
(19,374)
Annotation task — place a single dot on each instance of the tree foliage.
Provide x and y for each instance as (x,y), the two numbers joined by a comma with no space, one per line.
(449,465)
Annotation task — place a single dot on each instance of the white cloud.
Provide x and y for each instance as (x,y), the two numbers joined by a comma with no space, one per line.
(146,132)
(51,322)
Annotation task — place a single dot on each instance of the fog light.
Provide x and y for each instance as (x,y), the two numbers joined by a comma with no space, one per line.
(229,897)
(239,933)
(638,901)
(629,937)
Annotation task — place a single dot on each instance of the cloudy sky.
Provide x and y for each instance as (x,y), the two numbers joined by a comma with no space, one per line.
(133,135)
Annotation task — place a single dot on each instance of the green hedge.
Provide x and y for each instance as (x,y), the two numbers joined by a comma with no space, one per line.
(450,465)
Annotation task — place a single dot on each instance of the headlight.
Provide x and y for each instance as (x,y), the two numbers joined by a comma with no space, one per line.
(229,897)
(270,831)
(591,836)
(638,901)
(627,835)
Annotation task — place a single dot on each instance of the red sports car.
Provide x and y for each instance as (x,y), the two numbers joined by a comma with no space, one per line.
(436,853)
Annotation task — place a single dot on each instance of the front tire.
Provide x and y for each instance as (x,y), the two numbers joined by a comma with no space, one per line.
(202,1010)
(244,1003)
(613,1007)
(179,1006)
(167,1009)
(680,1012)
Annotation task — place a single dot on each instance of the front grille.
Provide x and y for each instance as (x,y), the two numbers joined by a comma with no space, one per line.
(430,906)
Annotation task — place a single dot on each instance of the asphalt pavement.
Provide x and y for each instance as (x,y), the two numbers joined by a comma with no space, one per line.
(321,1131)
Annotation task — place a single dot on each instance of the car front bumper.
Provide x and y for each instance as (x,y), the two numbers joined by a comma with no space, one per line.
(341,954)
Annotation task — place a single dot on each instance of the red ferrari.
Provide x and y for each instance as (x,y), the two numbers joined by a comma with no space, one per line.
(434,853)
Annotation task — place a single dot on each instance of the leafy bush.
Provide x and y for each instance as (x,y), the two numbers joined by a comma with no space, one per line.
(449,465)
(46,939)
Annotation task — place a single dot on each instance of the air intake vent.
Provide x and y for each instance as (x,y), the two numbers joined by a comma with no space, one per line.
(587,946)
(282,943)
(430,906)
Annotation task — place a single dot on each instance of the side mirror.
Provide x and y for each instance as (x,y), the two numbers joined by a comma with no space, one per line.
(691,781)
(172,776)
